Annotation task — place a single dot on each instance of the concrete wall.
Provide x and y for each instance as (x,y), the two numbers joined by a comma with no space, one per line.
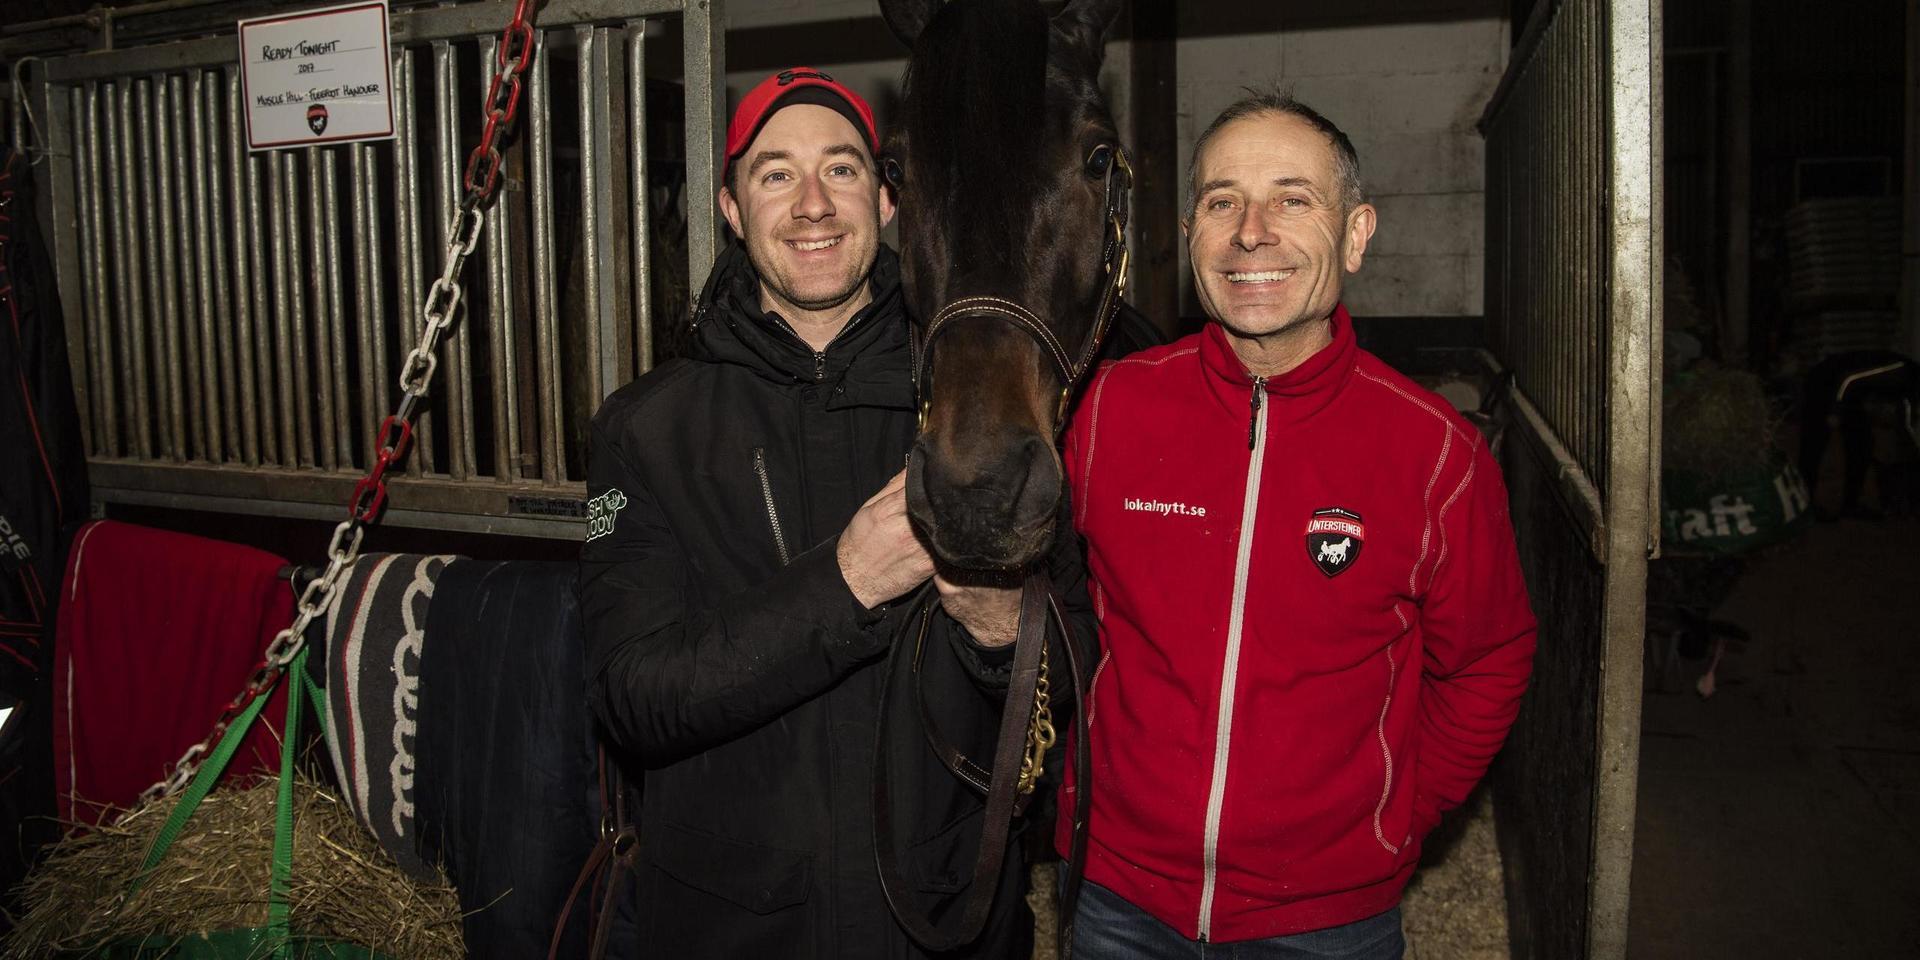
(1405,78)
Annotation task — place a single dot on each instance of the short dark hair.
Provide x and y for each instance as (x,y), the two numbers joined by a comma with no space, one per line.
(1260,102)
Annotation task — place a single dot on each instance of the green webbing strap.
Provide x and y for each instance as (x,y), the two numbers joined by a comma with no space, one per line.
(317,697)
(279,930)
(197,791)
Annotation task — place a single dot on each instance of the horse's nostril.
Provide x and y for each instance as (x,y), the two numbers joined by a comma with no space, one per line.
(1041,490)
(983,479)
(985,507)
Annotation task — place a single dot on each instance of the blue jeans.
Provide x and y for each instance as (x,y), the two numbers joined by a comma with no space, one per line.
(1107,927)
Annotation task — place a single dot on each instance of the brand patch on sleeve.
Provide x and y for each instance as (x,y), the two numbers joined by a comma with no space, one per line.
(601,513)
(1334,538)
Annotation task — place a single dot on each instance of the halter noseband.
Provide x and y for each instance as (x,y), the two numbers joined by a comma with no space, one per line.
(1071,367)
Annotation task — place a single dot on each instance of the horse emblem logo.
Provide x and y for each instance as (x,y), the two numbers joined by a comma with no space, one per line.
(317,118)
(1334,538)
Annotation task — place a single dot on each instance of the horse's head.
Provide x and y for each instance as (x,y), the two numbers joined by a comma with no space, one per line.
(1011,182)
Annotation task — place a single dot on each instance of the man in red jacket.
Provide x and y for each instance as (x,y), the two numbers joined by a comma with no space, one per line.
(1314,627)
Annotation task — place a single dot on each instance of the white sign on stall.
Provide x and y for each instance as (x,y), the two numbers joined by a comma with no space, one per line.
(318,76)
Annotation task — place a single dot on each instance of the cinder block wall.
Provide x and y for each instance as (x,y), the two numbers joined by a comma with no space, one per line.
(1405,78)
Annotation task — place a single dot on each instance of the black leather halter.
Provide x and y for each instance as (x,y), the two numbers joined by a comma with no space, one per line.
(1070,366)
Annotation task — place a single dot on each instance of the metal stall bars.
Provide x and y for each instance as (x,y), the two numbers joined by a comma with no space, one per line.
(1573,305)
(238,319)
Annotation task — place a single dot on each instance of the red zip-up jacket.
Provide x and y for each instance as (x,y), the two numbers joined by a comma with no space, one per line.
(1314,630)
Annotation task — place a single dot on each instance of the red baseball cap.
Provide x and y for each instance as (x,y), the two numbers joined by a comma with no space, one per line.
(784,89)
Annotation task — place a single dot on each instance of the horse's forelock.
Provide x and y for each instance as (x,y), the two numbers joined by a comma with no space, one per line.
(976,89)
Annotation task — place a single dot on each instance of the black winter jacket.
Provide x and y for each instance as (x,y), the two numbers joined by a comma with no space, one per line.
(728,654)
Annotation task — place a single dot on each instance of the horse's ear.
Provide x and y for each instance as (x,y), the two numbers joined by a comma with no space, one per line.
(906,18)
(1088,22)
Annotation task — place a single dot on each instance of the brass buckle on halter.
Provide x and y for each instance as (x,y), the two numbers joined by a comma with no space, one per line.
(1119,265)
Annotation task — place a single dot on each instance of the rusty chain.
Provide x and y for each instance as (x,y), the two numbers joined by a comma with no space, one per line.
(440,311)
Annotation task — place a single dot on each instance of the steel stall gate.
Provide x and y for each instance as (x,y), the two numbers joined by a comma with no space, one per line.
(238,319)
(1573,306)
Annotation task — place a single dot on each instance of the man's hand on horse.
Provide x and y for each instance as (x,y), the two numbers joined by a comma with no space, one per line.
(987,604)
(880,556)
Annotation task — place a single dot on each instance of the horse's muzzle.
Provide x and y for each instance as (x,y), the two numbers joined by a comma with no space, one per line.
(989,508)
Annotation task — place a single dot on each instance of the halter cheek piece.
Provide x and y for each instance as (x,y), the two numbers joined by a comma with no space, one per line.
(1070,366)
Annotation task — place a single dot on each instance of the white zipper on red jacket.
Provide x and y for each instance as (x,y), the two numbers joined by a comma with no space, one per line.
(1229,674)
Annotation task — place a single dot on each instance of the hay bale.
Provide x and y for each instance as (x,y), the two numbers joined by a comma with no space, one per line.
(344,887)
(1716,424)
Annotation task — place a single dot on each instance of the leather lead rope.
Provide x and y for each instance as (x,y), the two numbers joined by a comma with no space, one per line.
(613,857)
(1003,781)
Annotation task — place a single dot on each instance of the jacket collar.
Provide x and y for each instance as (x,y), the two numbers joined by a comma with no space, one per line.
(868,364)
(1292,396)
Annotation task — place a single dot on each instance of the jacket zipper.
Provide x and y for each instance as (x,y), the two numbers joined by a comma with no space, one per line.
(820,355)
(1236,622)
(1253,421)
(766,493)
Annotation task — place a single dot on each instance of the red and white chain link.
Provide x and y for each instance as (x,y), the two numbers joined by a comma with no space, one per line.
(441,311)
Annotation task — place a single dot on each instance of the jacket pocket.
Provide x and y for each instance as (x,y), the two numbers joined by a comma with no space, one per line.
(1390,826)
(1093,687)
(759,878)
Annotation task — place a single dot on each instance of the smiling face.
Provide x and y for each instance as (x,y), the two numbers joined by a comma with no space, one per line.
(1270,236)
(805,199)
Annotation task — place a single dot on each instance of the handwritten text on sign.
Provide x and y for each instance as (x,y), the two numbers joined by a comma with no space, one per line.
(320,76)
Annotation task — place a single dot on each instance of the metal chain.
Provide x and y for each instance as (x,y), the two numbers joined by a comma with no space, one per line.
(441,311)
(1040,733)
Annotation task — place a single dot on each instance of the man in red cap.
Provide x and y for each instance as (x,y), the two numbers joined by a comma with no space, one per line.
(740,567)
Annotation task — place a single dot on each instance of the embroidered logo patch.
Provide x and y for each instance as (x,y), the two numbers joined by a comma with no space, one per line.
(1334,538)
(601,512)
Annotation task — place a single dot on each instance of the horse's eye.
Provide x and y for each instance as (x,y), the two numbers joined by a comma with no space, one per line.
(890,168)
(1099,161)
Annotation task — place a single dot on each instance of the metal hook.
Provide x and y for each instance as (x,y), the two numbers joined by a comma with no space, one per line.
(24,104)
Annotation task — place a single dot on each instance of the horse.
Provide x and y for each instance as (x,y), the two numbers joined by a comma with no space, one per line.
(1013,189)
(1335,553)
